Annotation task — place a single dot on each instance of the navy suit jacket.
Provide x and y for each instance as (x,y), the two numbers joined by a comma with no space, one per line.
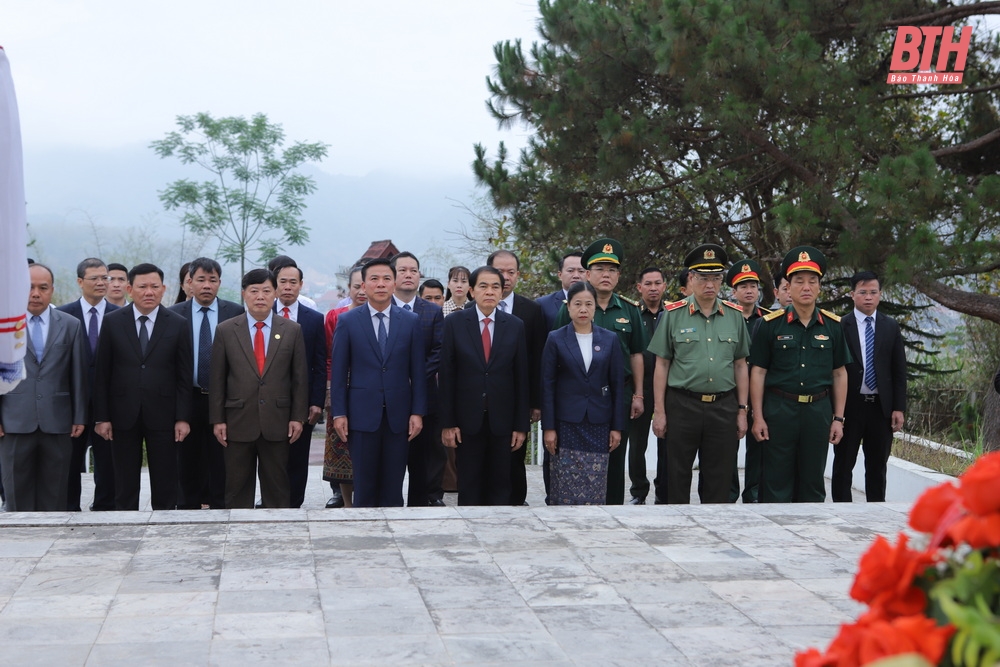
(570,392)
(432,322)
(314,335)
(362,381)
(550,304)
(74,309)
(890,363)
(469,383)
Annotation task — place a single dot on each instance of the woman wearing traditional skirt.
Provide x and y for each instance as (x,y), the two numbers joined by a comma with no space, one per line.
(583,405)
(337,468)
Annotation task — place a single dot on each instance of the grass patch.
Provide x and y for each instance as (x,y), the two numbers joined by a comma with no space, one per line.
(936,460)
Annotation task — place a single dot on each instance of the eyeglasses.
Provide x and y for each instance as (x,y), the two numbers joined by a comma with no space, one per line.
(605,269)
(867,293)
(97,279)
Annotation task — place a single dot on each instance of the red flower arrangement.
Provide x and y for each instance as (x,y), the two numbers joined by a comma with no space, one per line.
(939,605)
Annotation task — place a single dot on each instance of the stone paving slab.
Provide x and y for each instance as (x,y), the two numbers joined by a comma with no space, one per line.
(652,585)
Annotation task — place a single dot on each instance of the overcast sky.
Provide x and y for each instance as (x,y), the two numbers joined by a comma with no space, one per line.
(396,85)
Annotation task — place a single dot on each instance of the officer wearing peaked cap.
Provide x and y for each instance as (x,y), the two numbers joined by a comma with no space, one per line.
(798,385)
(603,259)
(744,279)
(700,382)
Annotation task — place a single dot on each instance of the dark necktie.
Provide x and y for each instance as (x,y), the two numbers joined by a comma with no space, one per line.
(37,340)
(204,349)
(258,348)
(503,306)
(383,335)
(870,354)
(487,342)
(143,334)
(406,307)
(92,330)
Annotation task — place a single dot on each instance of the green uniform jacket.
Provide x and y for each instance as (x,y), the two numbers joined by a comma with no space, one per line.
(701,350)
(622,318)
(799,358)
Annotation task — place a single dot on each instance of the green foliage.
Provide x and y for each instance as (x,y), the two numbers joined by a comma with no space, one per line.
(970,600)
(255,199)
(757,125)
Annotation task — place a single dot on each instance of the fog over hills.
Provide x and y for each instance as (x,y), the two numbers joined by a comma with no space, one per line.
(89,201)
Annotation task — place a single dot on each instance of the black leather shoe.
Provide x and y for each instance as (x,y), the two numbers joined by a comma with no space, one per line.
(335,502)
(636,501)
(436,502)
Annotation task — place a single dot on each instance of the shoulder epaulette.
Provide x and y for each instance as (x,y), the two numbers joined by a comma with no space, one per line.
(675,305)
(733,306)
(628,300)
(833,316)
(764,311)
(775,314)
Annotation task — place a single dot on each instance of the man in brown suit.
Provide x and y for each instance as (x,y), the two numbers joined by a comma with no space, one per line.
(259,395)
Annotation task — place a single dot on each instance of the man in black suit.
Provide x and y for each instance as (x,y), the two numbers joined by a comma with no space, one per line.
(876,391)
(287,305)
(570,271)
(201,461)
(484,392)
(427,458)
(142,390)
(535,333)
(90,309)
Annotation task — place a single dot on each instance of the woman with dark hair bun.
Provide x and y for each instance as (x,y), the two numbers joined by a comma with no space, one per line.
(583,409)
(457,294)
(183,284)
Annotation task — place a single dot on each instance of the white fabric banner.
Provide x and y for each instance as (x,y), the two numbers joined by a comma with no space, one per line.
(14,281)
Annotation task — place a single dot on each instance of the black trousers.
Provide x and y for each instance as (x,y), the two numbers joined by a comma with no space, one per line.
(437,459)
(865,426)
(417,463)
(161,455)
(484,465)
(638,437)
(104,471)
(705,429)
(298,466)
(201,461)
(518,474)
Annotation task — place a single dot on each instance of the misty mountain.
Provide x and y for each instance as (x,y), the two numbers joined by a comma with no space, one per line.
(84,201)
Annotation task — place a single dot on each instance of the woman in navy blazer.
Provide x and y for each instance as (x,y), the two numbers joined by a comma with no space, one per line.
(583,410)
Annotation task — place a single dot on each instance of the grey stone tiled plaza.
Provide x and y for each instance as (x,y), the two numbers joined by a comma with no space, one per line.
(645,585)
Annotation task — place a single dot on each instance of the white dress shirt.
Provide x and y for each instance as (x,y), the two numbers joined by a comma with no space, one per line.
(101,307)
(149,325)
(267,330)
(293,310)
(586,343)
(861,339)
(375,320)
(491,325)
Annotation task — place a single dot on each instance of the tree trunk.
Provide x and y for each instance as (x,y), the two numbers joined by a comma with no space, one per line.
(983,306)
(991,421)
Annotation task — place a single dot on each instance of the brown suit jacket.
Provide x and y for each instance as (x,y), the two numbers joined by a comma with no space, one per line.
(249,404)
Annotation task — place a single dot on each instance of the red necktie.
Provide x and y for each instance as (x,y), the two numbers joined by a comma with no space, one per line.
(258,347)
(284,312)
(487,343)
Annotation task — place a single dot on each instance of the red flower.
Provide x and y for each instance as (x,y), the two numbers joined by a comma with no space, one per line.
(932,506)
(978,532)
(885,578)
(981,485)
(874,637)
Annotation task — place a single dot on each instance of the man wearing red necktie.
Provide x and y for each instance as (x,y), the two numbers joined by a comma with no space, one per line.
(258,396)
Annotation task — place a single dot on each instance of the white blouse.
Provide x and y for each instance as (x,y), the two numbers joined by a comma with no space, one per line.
(586,342)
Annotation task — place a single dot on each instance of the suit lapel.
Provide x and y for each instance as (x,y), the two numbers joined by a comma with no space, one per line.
(368,330)
(853,342)
(243,336)
(131,331)
(278,326)
(158,326)
(395,320)
(477,337)
(569,341)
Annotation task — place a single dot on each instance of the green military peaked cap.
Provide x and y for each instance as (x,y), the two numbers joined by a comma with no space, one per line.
(741,271)
(602,250)
(707,258)
(804,258)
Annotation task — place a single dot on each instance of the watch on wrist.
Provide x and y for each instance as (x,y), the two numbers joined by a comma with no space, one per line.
(838,419)
(741,407)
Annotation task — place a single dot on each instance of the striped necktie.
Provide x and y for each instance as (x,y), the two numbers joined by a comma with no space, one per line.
(870,355)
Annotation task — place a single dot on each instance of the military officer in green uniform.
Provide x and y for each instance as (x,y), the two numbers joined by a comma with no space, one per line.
(744,279)
(701,381)
(798,386)
(603,259)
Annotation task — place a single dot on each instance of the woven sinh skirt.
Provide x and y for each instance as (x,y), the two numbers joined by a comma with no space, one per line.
(336,458)
(579,470)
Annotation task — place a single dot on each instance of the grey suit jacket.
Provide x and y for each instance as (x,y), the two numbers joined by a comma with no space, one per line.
(54,396)
(253,404)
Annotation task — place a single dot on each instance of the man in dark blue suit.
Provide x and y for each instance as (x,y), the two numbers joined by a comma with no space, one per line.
(570,271)
(90,309)
(201,463)
(484,392)
(378,388)
(289,277)
(427,457)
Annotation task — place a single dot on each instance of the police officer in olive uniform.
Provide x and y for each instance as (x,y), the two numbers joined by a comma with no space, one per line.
(701,382)
(744,279)
(603,259)
(798,386)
